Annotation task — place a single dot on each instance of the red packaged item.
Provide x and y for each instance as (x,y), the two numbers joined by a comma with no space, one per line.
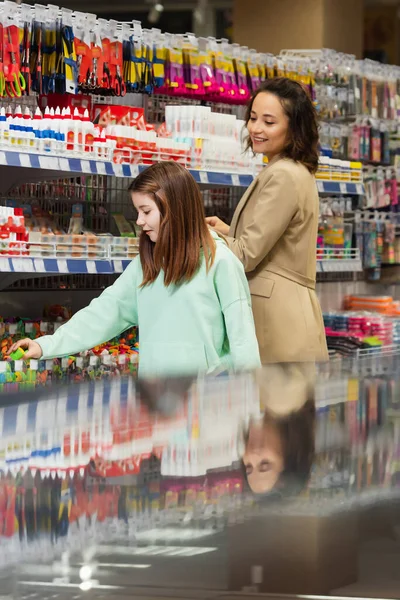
(105,115)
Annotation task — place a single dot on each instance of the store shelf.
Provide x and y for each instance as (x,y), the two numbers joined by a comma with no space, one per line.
(17,167)
(329,262)
(342,187)
(339,261)
(59,266)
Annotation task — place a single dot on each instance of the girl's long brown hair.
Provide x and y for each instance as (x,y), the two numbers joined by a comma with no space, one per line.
(183,233)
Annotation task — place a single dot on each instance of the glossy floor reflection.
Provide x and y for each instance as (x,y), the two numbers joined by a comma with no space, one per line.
(260,483)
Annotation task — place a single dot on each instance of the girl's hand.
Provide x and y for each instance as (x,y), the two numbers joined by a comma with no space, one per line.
(33,349)
(218,225)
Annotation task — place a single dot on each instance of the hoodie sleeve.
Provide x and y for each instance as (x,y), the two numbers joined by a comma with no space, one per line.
(235,300)
(113,312)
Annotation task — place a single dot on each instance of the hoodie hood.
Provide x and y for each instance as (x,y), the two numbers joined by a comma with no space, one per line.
(219,239)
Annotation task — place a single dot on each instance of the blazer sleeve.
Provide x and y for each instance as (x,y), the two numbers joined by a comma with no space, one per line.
(113,312)
(276,204)
(235,301)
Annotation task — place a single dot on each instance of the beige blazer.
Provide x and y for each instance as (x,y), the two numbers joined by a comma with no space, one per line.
(274,234)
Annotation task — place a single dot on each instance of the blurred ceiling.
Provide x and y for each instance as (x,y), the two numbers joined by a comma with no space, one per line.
(124,7)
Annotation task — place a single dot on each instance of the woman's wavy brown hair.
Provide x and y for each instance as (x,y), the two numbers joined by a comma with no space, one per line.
(183,235)
(302,145)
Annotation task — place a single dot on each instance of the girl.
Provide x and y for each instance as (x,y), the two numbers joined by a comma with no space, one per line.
(186,290)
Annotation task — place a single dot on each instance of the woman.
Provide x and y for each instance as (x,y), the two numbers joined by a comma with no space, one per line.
(186,291)
(274,228)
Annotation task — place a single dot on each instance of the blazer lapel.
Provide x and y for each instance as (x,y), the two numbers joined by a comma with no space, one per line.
(240,207)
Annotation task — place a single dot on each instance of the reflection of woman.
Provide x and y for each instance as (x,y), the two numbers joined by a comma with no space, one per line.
(279,447)
(279,452)
(274,228)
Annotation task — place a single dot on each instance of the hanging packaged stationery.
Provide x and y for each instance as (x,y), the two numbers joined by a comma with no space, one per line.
(382,198)
(374,273)
(280,67)
(387,188)
(147,85)
(357,85)
(128,55)
(271,66)
(364,91)
(107,31)
(69,58)
(239,59)
(191,66)
(383,98)
(117,64)
(392,99)
(351,87)
(49,49)
(311,67)
(207,47)
(2,72)
(262,66)
(254,76)
(174,75)
(94,75)
(370,246)
(224,73)
(228,49)
(388,256)
(348,239)
(365,141)
(13,82)
(290,68)
(354,144)
(25,45)
(380,232)
(133,59)
(374,106)
(394,198)
(370,188)
(305,76)
(375,145)
(159,58)
(385,144)
(83,47)
(221,78)
(342,89)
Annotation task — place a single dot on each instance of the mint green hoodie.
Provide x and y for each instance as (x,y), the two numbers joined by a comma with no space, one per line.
(202,326)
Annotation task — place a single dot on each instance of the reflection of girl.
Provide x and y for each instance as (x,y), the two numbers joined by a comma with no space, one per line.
(165,396)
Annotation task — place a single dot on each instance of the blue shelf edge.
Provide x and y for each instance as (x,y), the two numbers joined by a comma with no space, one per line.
(340,187)
(62,266)
(73,165)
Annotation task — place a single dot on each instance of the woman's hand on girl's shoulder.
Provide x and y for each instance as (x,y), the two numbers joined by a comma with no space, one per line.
(218,225)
